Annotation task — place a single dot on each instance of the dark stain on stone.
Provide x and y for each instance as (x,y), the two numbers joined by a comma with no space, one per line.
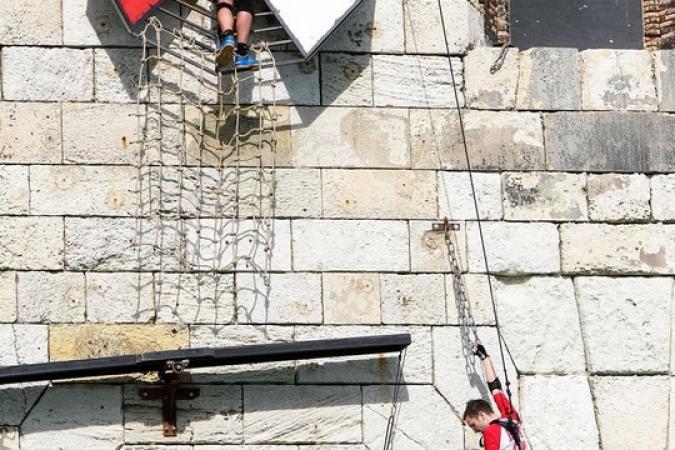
(520,195)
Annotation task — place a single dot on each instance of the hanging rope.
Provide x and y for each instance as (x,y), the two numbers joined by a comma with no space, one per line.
(390,433)
(507,382)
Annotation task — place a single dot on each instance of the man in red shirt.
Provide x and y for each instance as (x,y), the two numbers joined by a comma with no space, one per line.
(500,431)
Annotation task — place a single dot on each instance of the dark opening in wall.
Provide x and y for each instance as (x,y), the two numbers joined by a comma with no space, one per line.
(577,23)
(582,24)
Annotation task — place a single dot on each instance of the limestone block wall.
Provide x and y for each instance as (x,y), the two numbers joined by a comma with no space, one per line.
(574,167)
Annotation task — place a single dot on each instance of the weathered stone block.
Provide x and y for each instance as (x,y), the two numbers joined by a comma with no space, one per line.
(119,297)
(298,193)
(376,26)
(429,251)
(235,335)
(456,200)
(547,397)
(51,297)
(485,90)
(510,247)
(194,298)
(413,299)
(495,140)
(337,245)
(247,245)
(215,416)
(457,373)
(105,244)
(30,133)
(205,136)
(85,190)
(663,190)
(351,298)
(545,196)
(297,84)
(95,412)
(94,23)
(287,414)
(289,298)
(31,243)
(379,194)
(550,79)
(100,340)
(626,323)
(14,190)
(423,27)
(24,344)
(407,80)
(30,23)
(425,419)
(9,438)
(617,80)
(8,303)
(100,134)
(665,79)
(620,249)
(622,431)
(609,142)
(346,79)
(350,137)
(618,198)
(366,369)
(117,74)
(17,401)
(57,74)
(531,311)
(468,298)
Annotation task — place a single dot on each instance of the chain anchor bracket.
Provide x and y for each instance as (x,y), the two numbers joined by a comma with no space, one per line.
(445,226)
(169,393)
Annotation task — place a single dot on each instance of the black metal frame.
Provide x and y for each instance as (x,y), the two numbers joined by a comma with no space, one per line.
(204,357)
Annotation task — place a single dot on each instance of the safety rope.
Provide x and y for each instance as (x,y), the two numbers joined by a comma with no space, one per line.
(390,433)
(467,156)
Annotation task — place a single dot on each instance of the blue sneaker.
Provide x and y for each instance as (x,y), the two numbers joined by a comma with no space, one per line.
(245,61)
(226,50)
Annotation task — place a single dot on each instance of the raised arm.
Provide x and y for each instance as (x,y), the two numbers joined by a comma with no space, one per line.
(493,382)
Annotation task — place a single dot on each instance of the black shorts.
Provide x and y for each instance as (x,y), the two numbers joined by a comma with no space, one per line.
(244,5)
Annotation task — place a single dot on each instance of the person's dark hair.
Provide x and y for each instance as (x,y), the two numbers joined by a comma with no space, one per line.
(475,407)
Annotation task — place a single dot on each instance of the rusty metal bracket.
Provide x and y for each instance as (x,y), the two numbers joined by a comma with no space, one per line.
(445,226)
(169,393)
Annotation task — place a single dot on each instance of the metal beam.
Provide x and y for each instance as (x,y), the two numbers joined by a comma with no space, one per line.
(204,357)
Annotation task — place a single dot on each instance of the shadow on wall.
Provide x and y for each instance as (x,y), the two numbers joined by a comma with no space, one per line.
(42,408)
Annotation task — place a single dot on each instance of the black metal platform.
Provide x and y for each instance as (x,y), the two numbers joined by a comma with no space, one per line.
(204,357)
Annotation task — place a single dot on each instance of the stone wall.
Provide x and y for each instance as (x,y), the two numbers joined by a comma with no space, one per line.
(575,177)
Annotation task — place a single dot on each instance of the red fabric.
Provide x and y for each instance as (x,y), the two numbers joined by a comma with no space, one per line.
(494,433)
(134,10)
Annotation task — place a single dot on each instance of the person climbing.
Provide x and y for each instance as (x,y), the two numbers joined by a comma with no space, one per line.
(500,431)
(243,12)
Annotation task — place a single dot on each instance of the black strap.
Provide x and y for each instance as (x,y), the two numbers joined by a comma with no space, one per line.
(511,426)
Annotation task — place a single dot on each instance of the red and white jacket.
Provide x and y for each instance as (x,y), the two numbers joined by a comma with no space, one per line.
(496,436)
